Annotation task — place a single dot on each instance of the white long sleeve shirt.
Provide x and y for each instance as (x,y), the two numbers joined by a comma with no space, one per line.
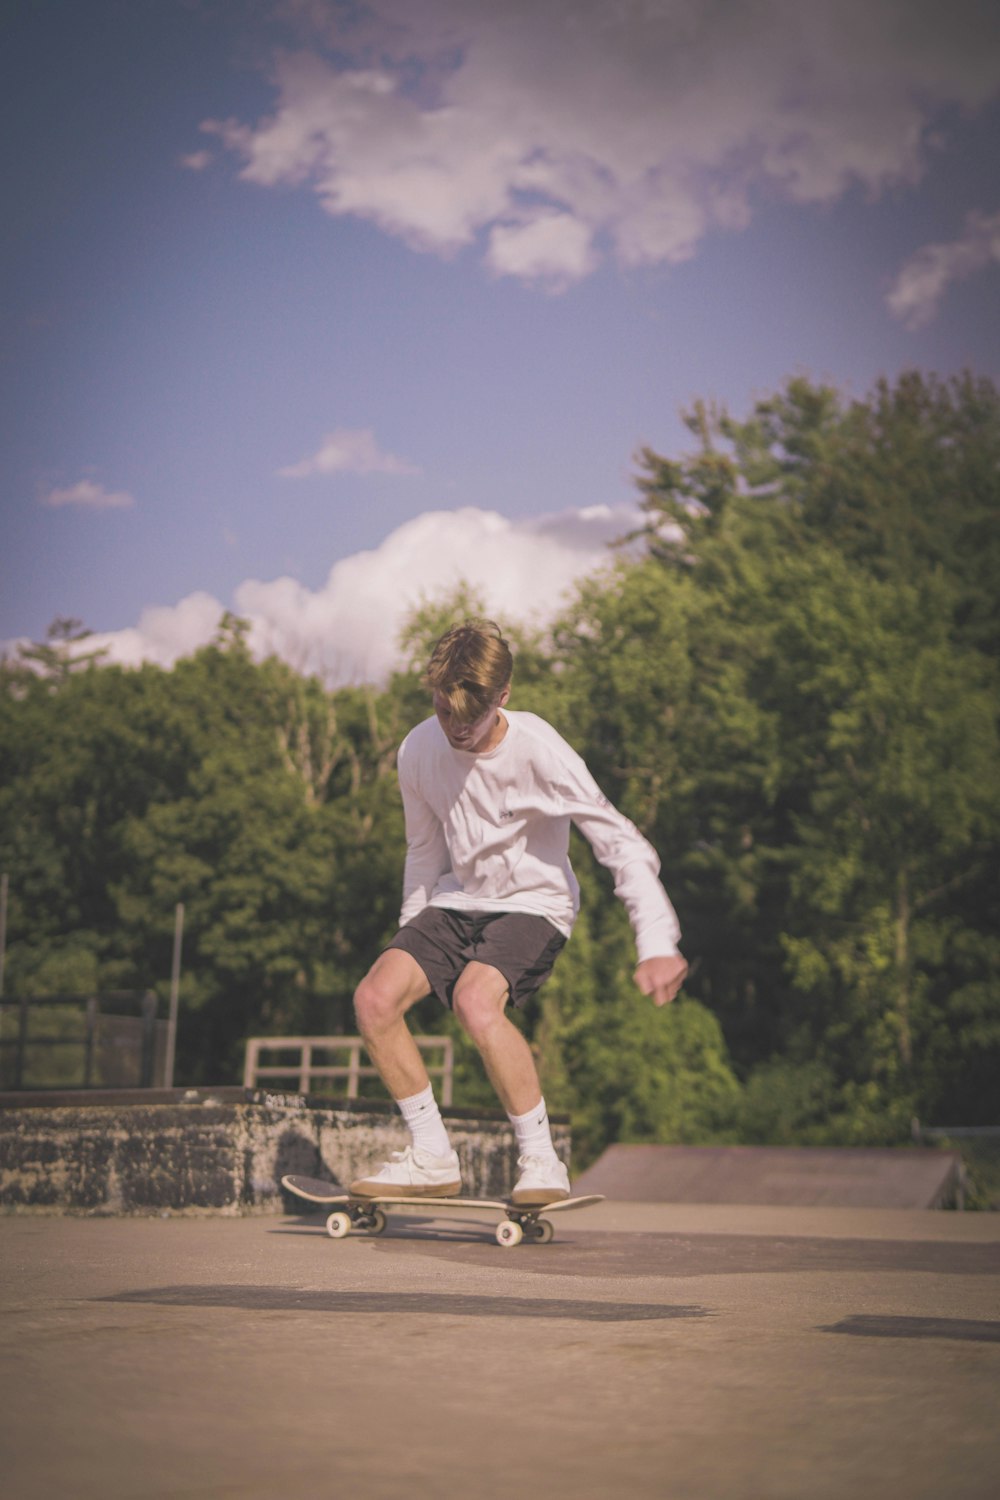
(490,832)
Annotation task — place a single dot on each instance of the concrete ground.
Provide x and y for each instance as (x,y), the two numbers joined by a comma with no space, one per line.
(715,1353)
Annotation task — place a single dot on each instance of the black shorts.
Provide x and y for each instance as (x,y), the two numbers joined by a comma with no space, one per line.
(521,946)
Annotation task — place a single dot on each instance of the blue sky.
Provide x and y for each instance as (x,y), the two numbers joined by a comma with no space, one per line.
(310,308)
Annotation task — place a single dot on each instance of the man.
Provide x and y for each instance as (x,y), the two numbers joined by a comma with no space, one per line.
(489,899)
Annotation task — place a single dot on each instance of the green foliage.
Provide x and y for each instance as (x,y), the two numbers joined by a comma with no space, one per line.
(843,847)
(264,804)
(788,1103)
(65,966)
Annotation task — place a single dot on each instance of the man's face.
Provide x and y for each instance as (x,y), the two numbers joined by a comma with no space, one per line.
(475,736)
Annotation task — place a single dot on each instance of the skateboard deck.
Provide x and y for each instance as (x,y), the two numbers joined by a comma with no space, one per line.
(517,1221)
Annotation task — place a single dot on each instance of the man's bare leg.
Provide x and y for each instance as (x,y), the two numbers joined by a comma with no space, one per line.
(479,1002)
(393,984)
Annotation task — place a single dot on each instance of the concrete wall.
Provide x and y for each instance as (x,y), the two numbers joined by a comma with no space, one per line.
(220,1151)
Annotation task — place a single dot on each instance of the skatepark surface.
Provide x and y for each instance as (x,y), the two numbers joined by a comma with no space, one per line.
(682,1352)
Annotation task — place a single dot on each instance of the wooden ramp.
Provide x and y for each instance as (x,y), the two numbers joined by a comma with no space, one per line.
(806,1176)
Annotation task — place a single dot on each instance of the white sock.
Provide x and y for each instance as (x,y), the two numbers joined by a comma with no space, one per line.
(534,1138)
(424,1122)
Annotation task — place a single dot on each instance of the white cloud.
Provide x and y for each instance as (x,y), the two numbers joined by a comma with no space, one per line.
(164,632)
(347,630)
(348,450)
(550,247)
(197,161)
(925,277)
(88,496)
(559,132)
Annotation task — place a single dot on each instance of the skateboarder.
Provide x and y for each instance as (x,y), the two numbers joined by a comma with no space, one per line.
(489,899)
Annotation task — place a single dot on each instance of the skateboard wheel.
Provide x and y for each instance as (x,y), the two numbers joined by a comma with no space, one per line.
(542,1231)
(509,1233)
(338,1225)
(377,1221)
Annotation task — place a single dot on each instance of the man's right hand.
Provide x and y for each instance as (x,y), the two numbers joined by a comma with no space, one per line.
(662,977)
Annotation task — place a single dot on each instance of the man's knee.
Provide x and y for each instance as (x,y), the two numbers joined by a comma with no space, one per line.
(391,986)
(479,1000)
(373,1007)
(378,1003)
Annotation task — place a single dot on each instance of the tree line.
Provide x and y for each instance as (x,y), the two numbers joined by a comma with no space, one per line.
(787,677)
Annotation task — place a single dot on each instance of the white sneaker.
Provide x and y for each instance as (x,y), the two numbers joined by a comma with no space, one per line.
(543,1179)
(412,1173)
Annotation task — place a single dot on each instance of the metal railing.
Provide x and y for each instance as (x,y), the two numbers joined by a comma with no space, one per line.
(81,1041)
(305,1068)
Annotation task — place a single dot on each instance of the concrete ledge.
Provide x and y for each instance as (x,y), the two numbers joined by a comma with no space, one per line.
(216,1151)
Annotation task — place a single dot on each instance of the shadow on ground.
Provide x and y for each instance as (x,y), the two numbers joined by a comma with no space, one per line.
(967,1330)
(287,1300)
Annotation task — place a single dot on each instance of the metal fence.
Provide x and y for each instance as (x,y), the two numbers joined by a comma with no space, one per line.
(306,1068)
(110,1040)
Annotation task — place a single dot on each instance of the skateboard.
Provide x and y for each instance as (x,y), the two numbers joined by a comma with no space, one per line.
(517,1222)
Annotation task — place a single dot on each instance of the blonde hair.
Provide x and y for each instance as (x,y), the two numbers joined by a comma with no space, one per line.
(470,666)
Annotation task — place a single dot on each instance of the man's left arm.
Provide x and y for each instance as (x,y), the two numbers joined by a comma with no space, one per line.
(633,861)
